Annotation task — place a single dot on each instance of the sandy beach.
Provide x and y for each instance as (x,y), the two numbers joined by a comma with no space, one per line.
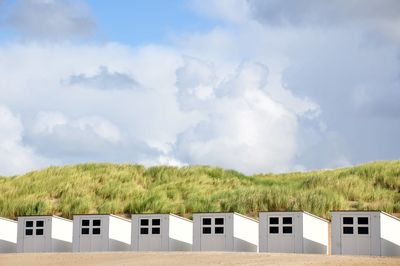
(189,258)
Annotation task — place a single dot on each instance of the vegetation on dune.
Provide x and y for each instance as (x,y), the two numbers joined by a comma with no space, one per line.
(126,188)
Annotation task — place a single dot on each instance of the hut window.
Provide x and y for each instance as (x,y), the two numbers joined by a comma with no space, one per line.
(29,224)
(146,228)
(363,230)
(362,220)
(39,223)
(347,230)
(34,228)
(219,230)
(273,220)
(206,230)
(347,220)
(274,230)
(287,220)
(90,226)
(287,230)
(219,221)
(206,221)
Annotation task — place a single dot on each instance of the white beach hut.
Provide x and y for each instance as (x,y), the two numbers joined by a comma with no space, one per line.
(365,233)
(293,232)
(224,232)
(161,232)
(101,232)
(8,235)
(44,234)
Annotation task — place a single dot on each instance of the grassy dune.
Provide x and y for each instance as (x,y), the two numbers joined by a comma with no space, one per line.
(126,188)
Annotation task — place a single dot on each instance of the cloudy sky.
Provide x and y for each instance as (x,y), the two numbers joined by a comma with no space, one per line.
(256,85)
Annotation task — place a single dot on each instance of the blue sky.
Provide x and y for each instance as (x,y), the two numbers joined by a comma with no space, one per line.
(141,22)
(251,85)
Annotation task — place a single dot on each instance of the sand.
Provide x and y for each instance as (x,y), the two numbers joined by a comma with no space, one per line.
(189,258)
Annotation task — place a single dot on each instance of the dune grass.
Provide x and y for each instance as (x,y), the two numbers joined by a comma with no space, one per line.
(127,188)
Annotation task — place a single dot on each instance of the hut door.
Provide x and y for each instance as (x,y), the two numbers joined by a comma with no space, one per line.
(35,236)
(355,234)
(213,235)
(280,234)
(150,234)
(91,235)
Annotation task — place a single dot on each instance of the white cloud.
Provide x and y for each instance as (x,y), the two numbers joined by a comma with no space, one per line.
(51,19)
(15,157)
(243,127)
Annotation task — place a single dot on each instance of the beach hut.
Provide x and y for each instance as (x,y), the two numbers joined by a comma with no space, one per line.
(44,234)
(8,235)
(293,232)
(224,232)
(101,232)
(161,232)
(365,233)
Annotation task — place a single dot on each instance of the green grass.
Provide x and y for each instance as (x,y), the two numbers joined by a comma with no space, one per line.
(126,188)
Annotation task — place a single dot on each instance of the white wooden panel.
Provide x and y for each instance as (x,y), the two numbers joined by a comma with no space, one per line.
(180,229)
(390,235)
(120,230)
(8,235)
(61,234)
(245,233)
(315,234)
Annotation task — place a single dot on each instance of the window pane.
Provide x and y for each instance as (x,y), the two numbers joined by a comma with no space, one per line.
(85,222)
(28,232)
(155,230)
(155,222)
(28,223)
(85,231)
(347,220)
(144,222)
(96,231)
(348,230)
(274,230)
(206,230)
(219,221)
(206,221)
(144,231)
(39,232)
(96,222)
(273,220)
(287,220)
(39,223)
(362,220)
(219,230)
(363,230)
(287,229)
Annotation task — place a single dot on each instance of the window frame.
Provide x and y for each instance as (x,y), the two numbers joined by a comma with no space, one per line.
(280,225)
(34,228)
(91,227)
(356,225)
(213,226)
(149,226)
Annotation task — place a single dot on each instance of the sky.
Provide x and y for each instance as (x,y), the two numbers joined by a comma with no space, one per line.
(251,85)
